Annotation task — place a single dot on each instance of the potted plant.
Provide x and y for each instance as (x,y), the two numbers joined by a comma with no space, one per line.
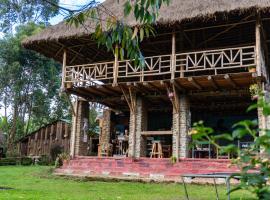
(68,83)
(252,69)
(254,91)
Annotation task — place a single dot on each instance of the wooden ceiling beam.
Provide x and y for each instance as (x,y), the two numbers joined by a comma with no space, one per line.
(177,85)
(104,88)
(194,83)
(213,82)
(230,81)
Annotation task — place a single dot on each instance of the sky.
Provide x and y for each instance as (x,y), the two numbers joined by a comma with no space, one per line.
(71,4)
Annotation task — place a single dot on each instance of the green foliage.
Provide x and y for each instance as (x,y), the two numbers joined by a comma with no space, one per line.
(8,161)
(55,151)
(26,161)
(60,159)
(118,37)
(14,13)
(44,160)
(255,157)
(29,86)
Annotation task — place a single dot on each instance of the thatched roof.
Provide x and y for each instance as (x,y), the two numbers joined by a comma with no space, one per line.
(179,11)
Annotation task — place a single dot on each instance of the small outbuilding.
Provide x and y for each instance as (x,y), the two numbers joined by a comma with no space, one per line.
(46,140)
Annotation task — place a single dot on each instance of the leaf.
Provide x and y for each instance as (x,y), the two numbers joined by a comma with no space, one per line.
(141,34)
(127,8)
(135,33)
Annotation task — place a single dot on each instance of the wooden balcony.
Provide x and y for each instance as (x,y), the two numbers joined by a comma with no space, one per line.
(163,67)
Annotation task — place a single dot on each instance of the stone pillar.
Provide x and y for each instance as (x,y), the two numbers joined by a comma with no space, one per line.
(264,121)
(105,133)
(78,140)
(180,127)
(137,124)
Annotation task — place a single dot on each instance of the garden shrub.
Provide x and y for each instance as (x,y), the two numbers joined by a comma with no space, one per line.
(26,161)
(55,151)
(44,160)
(8,161)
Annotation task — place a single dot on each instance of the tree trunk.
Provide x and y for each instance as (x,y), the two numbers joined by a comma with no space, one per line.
(11,143)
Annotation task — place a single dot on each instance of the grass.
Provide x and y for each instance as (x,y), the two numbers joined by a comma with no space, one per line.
(37,183)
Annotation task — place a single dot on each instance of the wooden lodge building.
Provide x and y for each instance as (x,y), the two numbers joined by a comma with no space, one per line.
(199,66)
(43,141)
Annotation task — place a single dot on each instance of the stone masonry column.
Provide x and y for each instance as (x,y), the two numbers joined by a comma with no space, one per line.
(137,124)
(104,137)
(180,127)
(79,138)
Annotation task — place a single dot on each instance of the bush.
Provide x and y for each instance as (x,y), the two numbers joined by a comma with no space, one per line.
(8,161)
(44,160)
(55,151)
(26,161)
(60,159)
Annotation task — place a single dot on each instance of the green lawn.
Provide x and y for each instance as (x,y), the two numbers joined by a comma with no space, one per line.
(39,183)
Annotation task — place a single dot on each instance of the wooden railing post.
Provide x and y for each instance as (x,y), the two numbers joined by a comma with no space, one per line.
(63,87)
(173,61)
(115,68)
(260,50)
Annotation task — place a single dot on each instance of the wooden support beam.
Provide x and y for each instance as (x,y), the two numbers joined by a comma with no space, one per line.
(213,82)
(130,97)
(222,32)
(115,68)
(76,53)
(177,85)
(194,83)
(64,69)
(142,87)
(230,81)
(173,61)
(108,91)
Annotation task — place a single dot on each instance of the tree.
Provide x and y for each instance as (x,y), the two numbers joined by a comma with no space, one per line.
(29,85)
(13,13)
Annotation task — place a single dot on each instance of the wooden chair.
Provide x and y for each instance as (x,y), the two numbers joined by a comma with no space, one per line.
(223,155)
(105,150)
(156,150)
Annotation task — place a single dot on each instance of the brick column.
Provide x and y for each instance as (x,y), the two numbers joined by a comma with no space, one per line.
(104,137)
(181,124)
(137,124)
(264,121)
(77,140)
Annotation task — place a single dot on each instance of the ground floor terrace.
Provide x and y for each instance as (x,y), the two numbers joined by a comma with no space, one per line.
(146,136)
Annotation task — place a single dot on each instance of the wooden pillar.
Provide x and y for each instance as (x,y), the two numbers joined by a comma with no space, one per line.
(173,61)
(181,45)
(63,87)
(115,68)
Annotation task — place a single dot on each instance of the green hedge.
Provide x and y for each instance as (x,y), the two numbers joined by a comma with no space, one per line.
(9,161)
(16,161)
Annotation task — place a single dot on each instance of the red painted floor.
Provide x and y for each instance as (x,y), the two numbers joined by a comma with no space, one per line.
(143,168)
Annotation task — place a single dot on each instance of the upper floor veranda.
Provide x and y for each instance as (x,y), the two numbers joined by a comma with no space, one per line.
(203,54)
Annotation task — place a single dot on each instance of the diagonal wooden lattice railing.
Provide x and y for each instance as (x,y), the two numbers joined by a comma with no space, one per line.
(210,62)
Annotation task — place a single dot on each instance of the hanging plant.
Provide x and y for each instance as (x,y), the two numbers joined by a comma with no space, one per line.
(252,69)
(254,91)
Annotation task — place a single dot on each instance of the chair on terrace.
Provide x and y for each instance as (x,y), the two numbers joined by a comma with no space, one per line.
(104,150)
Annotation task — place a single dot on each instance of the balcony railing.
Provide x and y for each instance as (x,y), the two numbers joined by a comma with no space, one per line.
(210,62)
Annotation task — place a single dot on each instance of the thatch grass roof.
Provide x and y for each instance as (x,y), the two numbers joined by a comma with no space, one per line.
(179,11)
